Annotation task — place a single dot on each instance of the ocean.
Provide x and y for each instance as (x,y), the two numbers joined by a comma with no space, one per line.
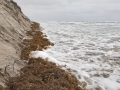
(89,50)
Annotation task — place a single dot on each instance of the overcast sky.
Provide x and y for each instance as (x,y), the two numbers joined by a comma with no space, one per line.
(71,10)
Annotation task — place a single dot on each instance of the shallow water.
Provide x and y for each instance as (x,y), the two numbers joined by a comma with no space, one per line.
(90,50)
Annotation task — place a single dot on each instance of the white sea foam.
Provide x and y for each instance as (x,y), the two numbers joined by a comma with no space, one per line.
(90,50)
(45,56)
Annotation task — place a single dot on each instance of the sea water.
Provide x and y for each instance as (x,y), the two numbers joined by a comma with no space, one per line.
(91,51)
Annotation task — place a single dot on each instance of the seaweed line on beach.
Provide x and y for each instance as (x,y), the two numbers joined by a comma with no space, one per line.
(40,74)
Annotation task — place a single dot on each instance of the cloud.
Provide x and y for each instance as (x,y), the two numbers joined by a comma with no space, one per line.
(71,10)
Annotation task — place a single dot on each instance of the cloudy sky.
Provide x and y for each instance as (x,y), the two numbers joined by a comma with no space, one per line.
(71,10)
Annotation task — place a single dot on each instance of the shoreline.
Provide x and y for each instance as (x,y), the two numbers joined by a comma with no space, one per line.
(47,75)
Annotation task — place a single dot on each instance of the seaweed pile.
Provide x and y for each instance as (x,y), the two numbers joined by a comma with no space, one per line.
(40,74)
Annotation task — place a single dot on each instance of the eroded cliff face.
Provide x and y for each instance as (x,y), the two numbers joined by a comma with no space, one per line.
(13,26)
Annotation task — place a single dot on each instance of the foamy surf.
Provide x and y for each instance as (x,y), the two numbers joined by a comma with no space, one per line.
(90,50)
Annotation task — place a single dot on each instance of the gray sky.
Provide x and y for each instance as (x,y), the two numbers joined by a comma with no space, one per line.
(71,10)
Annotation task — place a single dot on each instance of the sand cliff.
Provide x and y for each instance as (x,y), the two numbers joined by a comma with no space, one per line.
(13,26)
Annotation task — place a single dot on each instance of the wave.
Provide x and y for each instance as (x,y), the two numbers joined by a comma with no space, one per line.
(89,49)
